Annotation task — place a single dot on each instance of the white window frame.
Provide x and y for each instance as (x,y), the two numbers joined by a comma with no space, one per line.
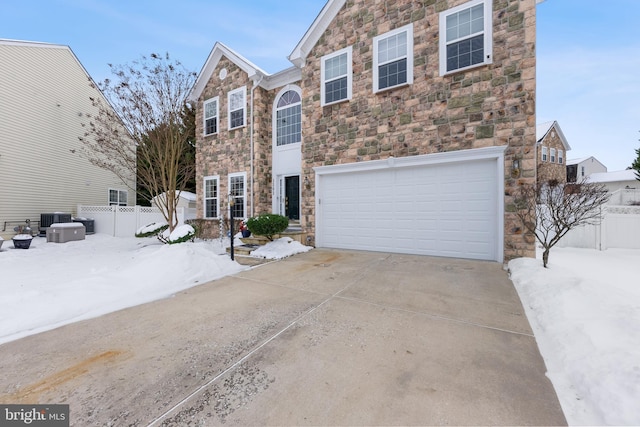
(242,90)
(274,119)
(552,158)
(121,194)
(349,75)
(205,198)
(244,190)
(487,32)
(409,56)
(560,157)
(544,155)
(216,117)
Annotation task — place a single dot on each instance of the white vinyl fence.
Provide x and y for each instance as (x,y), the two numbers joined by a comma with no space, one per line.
(124,221)
(619,228)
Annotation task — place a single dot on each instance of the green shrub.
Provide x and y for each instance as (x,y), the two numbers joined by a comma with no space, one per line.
(181,234)
(152,229)
(267,225)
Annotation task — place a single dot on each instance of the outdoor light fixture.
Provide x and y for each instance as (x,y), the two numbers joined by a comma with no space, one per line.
(515,168)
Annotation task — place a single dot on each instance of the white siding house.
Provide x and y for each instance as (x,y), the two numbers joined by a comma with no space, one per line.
(44,97)
(579,169)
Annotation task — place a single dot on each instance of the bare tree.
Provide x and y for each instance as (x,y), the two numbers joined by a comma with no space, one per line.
(144,128)
(549,209)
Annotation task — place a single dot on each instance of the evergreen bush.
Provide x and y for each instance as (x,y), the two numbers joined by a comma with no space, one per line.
(267,225)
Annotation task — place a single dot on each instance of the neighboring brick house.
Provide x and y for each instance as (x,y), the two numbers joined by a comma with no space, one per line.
(551,152)
(402,126)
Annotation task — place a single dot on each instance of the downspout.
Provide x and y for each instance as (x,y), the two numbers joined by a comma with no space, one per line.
(255,86)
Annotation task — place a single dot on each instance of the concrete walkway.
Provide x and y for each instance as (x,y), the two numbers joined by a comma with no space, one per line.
(322,338)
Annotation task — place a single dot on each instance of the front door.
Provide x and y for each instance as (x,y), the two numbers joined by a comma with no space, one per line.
(292,197)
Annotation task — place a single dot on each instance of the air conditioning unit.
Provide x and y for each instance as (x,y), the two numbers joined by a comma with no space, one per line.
(46,219)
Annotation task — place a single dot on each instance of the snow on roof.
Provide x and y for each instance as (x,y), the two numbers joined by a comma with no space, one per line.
(542,129)
(616,176)
(576,161)
(187,195)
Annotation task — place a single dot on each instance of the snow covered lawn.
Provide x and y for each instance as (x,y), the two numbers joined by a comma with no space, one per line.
(585,313)
(53,284)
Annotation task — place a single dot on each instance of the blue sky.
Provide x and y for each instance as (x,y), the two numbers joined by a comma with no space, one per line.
(588,51)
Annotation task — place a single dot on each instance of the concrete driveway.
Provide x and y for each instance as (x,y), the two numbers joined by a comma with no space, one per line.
(322,338)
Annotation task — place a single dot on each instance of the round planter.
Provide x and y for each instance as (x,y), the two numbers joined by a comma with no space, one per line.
(22,243)
(246,233)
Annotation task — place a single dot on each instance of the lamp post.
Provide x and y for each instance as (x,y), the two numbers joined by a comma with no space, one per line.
(231,203)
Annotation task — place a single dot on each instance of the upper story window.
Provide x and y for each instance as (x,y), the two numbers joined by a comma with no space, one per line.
(237,193)
(288,126)
(117,197)
(237,107)
(553,155)
(466,36)
(210,108)
(582,171)
(544,153)
(393,59)
(336,72)
(560,156)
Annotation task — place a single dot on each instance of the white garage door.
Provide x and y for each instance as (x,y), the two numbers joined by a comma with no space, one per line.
(443,209)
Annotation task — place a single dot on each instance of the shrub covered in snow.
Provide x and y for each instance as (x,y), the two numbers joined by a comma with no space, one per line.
(180,234)
(152,229)
(267,225)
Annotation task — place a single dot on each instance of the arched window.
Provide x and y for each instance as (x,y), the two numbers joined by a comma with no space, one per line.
(289,118)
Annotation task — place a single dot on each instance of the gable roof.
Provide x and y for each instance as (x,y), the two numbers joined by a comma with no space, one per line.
(330,10)
(542,129)
(583,159)
(255,73)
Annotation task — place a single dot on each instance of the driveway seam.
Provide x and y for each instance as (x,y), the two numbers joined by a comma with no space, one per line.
(253,351)
(434,316)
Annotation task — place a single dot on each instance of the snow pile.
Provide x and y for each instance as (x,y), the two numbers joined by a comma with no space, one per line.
(280,248)
(87,278)
(585,313)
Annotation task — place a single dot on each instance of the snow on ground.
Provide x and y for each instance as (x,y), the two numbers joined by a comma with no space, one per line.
(53,284)
(585,313)
(584,309)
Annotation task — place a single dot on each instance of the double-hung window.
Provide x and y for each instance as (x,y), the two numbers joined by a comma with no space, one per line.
(237,107)
(117,197)
(544,153)
(210,108)
(336,72)
(211,197)
(560,156)
(237,193)
(393,59)
(466,36)
(553,155)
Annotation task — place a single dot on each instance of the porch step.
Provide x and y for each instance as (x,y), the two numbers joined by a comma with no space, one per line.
(297,235)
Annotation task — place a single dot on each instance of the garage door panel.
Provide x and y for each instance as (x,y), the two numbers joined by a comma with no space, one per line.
(443,210)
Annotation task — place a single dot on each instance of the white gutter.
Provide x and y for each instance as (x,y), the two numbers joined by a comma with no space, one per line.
(255,85)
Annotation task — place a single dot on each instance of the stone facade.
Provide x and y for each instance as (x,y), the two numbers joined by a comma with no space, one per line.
(554,166)
(489,105)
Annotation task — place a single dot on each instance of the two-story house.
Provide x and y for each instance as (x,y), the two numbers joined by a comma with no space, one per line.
(401,126)
(45,96)
(551,152)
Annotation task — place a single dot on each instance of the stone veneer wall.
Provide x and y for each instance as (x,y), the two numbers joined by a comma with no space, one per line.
(230,151)
(548,170)
(492,105)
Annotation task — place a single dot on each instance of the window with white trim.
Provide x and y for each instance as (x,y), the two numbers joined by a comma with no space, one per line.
(238,193)
(553,155)
(237,116)
(117,197)
(393,59)
(336,72)
(289,118)
(466,36)
(211,197)
(560,156)
(210,108)
(544,153)
(582,171)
